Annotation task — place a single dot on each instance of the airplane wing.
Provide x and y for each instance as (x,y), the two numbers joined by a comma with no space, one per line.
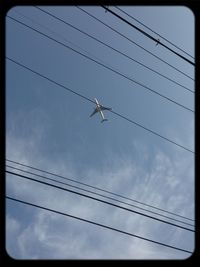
(95,111)
(104,108)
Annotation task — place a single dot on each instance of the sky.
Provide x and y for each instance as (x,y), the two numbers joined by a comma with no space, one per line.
(49,128)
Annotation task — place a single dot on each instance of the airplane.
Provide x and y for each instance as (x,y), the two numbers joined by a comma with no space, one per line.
(99,109)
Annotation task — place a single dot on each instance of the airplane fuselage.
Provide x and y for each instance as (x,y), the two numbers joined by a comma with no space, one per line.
(99,108)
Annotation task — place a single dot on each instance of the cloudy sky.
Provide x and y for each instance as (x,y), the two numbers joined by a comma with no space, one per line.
(49,128)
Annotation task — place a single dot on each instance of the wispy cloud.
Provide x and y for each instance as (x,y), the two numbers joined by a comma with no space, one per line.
(166,183)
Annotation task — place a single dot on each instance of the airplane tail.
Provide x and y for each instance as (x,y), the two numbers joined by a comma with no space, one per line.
(104,120)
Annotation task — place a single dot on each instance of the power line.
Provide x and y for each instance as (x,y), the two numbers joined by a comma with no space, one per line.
(86,98)
(161,136)
(111,47)
(130,40)
(97,188)
(148,35)
(100,200)
(98,224)
(56,33)
(64,87)
(107,67)
(154,31)
(88,191)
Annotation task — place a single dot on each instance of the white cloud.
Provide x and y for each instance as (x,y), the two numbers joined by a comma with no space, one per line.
(12,225)
(164,183)
(12,231)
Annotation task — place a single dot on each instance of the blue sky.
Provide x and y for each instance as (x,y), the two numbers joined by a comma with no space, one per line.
(49,128)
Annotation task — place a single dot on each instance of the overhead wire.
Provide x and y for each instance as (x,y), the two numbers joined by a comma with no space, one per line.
(130,40)
(148,35)
(90,192)
(167,40)
(97,224)
(151,131)
(94,193)
(99,200)
(61,36)
(105,66)
(112,48)
(97,188)
(86,98)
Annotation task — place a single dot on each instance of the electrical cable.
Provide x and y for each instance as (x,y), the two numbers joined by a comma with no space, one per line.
(153,31)
(112,48)
(161,136)
(86,98)
(148,35)
(98,224)
(62,37)
(99,200)
(88,191)
(107,67)
(134,42)
(96,188)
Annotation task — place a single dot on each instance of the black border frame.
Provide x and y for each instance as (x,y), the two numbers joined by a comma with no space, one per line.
(5,259)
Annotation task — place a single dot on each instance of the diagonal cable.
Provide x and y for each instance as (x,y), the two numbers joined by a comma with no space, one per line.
(97,224)
(107,67)
(97,188)
(100,200)
(130,40)
(148,35)
(94,193)
(111,47)
(88,99)
(130,16)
